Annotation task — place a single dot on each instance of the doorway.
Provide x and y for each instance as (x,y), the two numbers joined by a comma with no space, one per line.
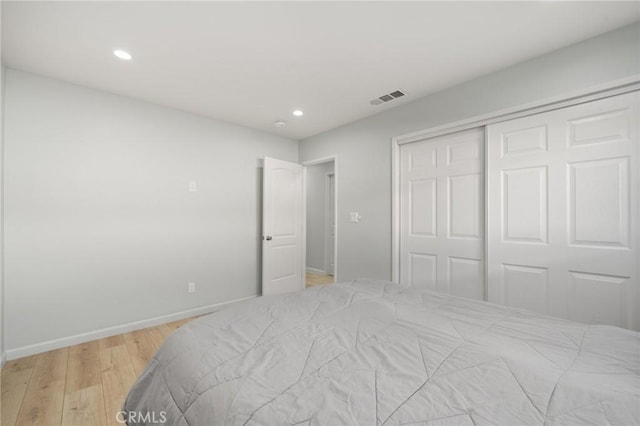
(321,229)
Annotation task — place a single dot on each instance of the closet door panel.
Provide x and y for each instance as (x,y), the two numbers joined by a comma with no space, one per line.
(563,212)
(464,203)
(524,204)
(599,203)
(442,214)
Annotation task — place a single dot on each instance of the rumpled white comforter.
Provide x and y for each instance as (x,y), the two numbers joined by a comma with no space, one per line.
(373,352)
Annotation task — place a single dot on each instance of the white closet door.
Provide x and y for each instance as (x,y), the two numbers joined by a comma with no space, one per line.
(563,212)
(442,214)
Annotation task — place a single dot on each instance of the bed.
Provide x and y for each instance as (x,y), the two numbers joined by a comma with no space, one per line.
(375,353)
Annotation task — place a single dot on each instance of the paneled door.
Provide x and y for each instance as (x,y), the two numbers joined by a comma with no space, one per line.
(282,215)
(563,212)
(442,214)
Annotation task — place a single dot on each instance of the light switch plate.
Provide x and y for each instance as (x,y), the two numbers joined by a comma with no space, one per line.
(192,186)
(354,217)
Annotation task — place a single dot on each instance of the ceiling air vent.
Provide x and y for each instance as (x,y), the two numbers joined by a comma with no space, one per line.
(387,97)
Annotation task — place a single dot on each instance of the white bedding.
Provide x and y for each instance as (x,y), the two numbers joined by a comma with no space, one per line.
(372,352)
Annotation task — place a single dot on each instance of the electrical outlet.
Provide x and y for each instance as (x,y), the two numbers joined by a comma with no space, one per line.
(191,288)
(192,186)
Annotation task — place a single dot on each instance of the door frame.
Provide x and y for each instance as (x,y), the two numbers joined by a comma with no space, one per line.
(315,162)
(327,178)
(612,88)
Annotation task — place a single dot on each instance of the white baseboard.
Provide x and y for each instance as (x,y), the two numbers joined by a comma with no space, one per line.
(3,359)
(316,271)
(112,331)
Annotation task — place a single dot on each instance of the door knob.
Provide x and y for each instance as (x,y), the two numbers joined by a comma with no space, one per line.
(268,238)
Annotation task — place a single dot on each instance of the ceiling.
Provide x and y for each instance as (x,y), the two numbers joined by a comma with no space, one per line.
(253,63)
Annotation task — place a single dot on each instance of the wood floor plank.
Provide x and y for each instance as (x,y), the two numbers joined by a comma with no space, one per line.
(14,386)
(83,370)
(179,323)
(109,342)
(141,349)
(84,407)
(20,364)
(159,334)
(313,279)
(118,375)
(44,397)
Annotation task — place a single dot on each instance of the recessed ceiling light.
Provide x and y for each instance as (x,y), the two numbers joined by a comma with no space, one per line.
(122,54)
(279,124)
(298,113)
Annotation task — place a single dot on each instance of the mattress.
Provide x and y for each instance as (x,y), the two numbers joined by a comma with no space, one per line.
(375,353)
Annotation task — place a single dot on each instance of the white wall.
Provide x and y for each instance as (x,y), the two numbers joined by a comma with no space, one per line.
(364,147)
(101,230)
(317,214)
(2,352)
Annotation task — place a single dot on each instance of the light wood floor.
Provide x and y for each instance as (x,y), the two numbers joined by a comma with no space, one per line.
(318,279)
(82,385)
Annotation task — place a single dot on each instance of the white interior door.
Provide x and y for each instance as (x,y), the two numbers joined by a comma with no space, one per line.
(442,214)
(563,212)
(331,224)
(282,216)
